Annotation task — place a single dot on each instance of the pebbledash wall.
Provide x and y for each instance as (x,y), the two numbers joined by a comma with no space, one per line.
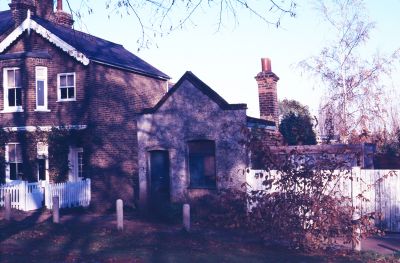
(107,102)
(192,111)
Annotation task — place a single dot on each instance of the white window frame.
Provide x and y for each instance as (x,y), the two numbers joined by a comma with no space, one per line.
(59,99)
(45,87)
(8,108)
(7,159)
(73,160)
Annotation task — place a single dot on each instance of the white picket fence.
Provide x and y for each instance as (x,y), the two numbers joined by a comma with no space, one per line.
(381,188)
(30,196)
(71,194)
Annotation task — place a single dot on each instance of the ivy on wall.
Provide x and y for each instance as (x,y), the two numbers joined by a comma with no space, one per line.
(58,140)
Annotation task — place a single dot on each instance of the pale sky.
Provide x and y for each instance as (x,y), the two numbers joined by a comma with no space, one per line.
(229,60)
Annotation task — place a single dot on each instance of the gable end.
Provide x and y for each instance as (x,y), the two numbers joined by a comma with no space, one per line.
(204,88)
(29,24)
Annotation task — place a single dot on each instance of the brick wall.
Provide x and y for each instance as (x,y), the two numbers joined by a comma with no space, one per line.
(267,91)
(115,98)
(268,97)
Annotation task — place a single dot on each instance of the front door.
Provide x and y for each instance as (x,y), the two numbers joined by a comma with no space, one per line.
(159,182)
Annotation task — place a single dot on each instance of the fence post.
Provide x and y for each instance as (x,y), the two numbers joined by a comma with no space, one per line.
(56,210)
(7,204)
(120,214)
(47,194)
(355,191)
(186,217)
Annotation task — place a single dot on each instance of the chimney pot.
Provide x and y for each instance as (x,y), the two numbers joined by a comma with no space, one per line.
(59,5)
(266,65)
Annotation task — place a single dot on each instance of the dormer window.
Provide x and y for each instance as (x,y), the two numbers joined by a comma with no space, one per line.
(12,90)
(66,90)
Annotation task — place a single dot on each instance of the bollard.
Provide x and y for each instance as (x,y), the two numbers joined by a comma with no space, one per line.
(120,214)
(186,217)
(7,200)
(356,243)
(56,210)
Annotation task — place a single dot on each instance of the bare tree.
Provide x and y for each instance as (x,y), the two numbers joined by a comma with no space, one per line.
(353,81)
(160,17)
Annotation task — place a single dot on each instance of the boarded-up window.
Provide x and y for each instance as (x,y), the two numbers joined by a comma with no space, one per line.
(202,163)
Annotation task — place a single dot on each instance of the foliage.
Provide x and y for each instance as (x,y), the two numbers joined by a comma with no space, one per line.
(158,18)
(391,146)
(303,204)
(353,83)
(58,141)
(225,209)
(287,106)
(3,140)
(297,130)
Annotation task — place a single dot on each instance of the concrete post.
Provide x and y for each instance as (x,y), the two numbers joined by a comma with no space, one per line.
(56,209)
(7,205)
(356,243)
(186,217)
(120,214)
(355,191)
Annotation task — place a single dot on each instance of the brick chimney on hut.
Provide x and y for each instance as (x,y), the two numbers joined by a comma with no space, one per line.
(267,91)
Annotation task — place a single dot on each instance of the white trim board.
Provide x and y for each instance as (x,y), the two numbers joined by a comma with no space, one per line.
(29,24)
(44,128)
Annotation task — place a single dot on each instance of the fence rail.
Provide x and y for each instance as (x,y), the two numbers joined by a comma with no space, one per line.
(381,188)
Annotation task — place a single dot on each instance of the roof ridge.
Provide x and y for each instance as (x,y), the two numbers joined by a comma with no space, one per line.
(76,31)
(204,88)
(83,46)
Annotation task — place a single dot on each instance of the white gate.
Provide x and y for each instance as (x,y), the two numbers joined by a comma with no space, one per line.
(24,196)
(34,196)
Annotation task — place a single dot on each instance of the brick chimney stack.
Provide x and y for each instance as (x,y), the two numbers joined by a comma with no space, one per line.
(19,10)
(41,8)
(63,18)
(267,91)
(45,9)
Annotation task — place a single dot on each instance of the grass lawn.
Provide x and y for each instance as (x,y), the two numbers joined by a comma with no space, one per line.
(86,237)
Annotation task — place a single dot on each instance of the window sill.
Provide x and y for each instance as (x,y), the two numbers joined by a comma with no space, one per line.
(11,110)
(66,100)
(43,110)
(202,187)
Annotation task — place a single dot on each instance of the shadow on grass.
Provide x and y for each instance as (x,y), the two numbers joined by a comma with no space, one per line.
(83,237)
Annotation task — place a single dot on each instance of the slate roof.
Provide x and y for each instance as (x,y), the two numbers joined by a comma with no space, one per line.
(259,123)
(204,88)
(96,49)
(6,21)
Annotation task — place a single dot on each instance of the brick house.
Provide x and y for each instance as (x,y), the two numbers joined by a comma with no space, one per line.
(55,77)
